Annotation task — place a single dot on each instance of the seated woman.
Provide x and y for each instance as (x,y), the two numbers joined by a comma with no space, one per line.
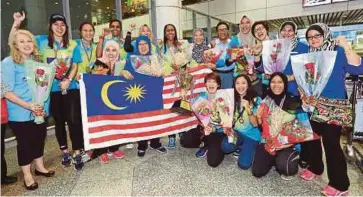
(22,109)
(278,110)
(143,49)
(245,122)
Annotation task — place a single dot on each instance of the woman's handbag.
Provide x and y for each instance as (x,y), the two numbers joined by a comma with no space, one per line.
(333,111)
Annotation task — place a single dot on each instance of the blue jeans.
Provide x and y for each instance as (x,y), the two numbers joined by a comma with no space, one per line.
(247,148)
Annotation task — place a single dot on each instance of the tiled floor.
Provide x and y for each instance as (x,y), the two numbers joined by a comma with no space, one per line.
(177,172)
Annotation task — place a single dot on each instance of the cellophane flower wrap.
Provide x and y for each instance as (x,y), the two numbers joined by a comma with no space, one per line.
(40,78)
(212,55)
(63,64)
(181,55)
(147,64)
(202,109)
(312,72)
(281,129)
(216,112)
(276,55)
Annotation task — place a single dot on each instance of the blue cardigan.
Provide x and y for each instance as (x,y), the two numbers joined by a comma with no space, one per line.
(300,49)
(335,88)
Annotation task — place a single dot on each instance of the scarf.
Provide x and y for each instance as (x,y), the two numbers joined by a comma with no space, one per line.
(198,49)
(247,39)
(329,43)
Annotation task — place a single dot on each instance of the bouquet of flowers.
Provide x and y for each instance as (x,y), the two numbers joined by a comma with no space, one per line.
(212,55)
(202,109)
(281,129)
(181,56)
(239,51)
(275,55)
(217,112)
(312,72)
(40,78)
(147,65)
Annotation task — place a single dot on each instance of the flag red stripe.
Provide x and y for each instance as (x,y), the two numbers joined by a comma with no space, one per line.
(169,91)
(131,116)
(172,100)
(143,134)
(195,77)
(136,125)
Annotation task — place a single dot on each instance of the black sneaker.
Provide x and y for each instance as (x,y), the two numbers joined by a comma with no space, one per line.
(78,163)
(161,149)
(303,164)
(141,153)
(66,160)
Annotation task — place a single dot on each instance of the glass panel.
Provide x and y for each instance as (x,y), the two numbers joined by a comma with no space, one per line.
(134,8)
(37,17)
(98,12)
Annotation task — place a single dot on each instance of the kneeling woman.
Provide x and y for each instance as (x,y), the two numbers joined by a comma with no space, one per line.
(277,110)
(244,122)
(29,135)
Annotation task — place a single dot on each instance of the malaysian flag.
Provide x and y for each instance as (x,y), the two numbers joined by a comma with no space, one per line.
(116,110)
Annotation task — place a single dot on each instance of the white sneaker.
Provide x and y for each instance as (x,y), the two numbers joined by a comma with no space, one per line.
(129,146)
(286,178)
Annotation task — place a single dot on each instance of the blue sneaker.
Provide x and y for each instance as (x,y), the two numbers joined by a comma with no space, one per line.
(202,152)
(77,161)
(66,160)
(171,143)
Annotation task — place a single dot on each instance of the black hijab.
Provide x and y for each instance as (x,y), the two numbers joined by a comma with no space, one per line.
(291,104)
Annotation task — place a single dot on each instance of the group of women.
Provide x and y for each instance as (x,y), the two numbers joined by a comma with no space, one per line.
(257,95)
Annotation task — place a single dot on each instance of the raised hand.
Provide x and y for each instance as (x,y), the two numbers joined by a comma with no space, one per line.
(18,18)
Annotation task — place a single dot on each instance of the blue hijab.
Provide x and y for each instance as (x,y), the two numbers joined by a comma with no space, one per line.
(142,38)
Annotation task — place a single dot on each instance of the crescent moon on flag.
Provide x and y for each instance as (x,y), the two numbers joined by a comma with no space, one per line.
(104,95)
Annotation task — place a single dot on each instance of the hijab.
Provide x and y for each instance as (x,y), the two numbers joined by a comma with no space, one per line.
(246,39)
(138,40)
(105,59)
(198,49)
(291,104)
(329,43)
(294,41)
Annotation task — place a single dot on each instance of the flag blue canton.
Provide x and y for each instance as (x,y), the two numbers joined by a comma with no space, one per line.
(114,95)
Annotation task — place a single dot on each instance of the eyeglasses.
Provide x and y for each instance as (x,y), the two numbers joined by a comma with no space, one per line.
(317,36)
(143,44)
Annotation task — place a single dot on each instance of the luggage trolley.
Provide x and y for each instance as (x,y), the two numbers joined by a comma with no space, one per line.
(355,91)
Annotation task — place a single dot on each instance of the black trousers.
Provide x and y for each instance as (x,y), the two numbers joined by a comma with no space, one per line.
(285,161)
(30,138)
(67,108)
(192,138)
(4,169)
(155,143)
(335,159)
(215,155)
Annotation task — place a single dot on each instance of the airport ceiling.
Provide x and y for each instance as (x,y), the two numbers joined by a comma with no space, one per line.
(332,19)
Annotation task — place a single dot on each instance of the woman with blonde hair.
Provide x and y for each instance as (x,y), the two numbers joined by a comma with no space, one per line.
(29,135)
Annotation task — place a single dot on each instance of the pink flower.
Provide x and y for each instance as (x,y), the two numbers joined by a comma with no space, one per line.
(40,71)
(220,99)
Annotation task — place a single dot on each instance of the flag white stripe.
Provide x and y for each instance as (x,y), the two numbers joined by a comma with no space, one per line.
(140,130)
(132,121)
(127,140)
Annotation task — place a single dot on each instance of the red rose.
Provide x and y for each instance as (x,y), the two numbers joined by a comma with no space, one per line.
(40,71)
(309,66)
(220,99)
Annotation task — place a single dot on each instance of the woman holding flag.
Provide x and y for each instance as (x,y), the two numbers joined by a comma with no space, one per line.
(143,48)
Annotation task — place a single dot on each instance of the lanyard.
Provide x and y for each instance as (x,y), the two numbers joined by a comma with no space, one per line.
(89,56)
(56,49)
